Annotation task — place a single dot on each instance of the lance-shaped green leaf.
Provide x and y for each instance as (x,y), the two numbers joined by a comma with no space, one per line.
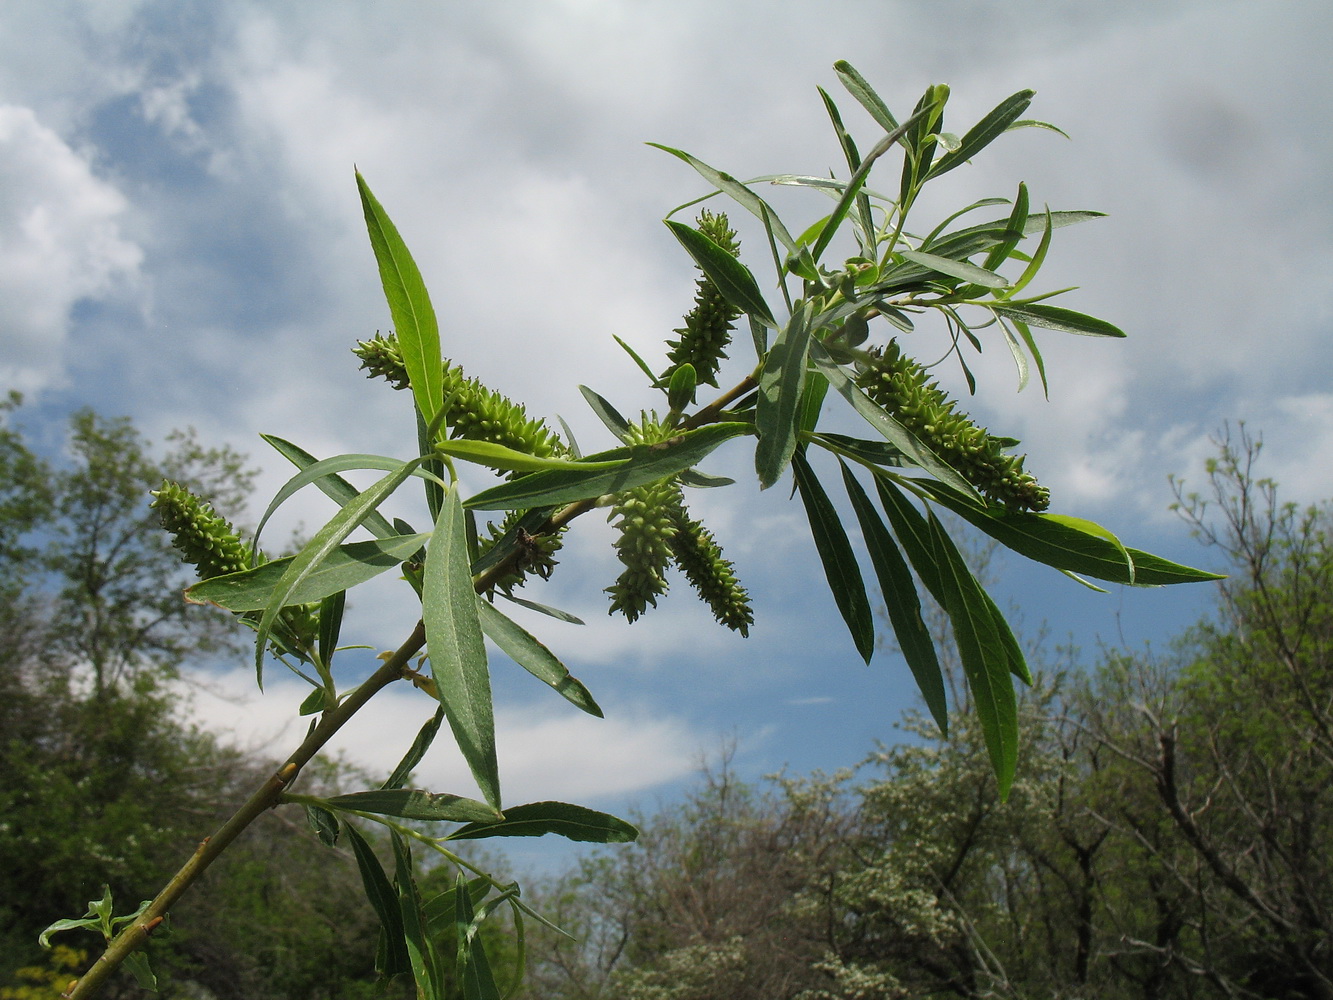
(413,803)
(865,95)
(613,419)
(474,969)
(318,549)
(738,192)
(983,237)
(904,606)
(424,960)
(858,179)
(425,737)
(1154,571)
(524,649)
(955,268)
(344,568)
(913,534)
(409,304)
(895,433)
(984,132)
(497,456)
(1018,219)
(865,222)
(1056,318)
(333,486)
(984,655)
(456,649)
(536,819)
(331,610)
(781,390)
(393,959)
(1065,543)
(647,463)
(835,553)
(732,278)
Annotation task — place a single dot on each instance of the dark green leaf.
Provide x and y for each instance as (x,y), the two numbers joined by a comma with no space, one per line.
(330,623)
(680,391)
(1154,571)
(607,413)
(648,463)
(874,452)
(955,268)
(425,737)
(324,823)
(413,803)
(865,221)
(345,567)
(984,132)
(1056,318)
(835,553)
(781,388)
(545,609)
(536,819)
(1018,219)
(902,602)
(732,278)
(425,964)
(865,95)
(454,644)
(409,304)
(984,654)
(394,960)
(702,480)
(524,649)
(474,968)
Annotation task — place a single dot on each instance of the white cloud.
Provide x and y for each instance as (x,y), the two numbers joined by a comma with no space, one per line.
(60,244)
(547,750)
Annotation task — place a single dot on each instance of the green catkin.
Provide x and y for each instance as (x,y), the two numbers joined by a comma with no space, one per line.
(703,340)
(697,553)
(473,412)
(903,389)
(209,543)
(643,519)
(205,539)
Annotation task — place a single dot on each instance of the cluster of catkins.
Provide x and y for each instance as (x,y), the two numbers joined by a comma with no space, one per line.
(655,530)
(903,388)
(209,543)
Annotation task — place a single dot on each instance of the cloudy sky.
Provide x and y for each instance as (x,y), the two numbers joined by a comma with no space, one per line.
(181,241)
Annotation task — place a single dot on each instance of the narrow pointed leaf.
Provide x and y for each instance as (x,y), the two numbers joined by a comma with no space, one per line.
(413,803)
(424,961)
(413,315)
(647,463)
(835,553)
(318,549)
(732,278)
(344,568)
(1154,571)
(738,192)
(524,649)
(865,95)
(1057,318)
(536,819)
(544,609)
(335,487)
(331,610)
(415,753)
(984,655)
(474,969)
(457,652)
(902,602)
(781,389)
(1018,219)
(497,456)
(607,413)
(956,268)
(984,132)
(379,891)
(324,472)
